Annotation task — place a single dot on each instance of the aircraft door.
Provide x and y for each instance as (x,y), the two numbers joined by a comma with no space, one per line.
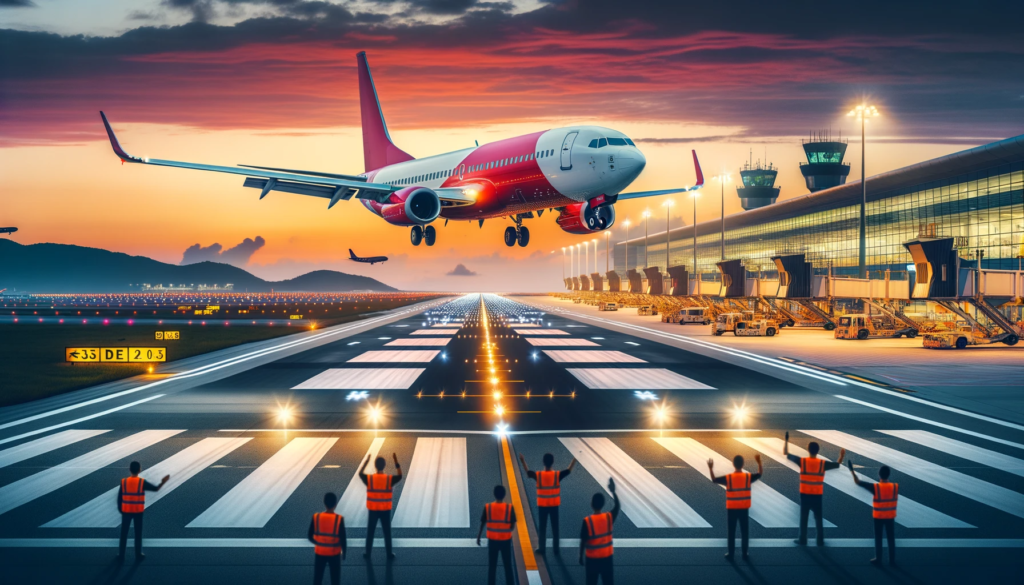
(566,157)
(462,172)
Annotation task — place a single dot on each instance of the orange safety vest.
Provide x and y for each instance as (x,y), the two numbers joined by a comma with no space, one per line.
(599,535)
(327,533)
(549,489)
(133,495)
(499,521)
(812,476)
(737,491)
(884,504)
(378,492)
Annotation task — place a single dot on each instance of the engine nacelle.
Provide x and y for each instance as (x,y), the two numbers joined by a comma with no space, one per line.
(581,218)
(411,206)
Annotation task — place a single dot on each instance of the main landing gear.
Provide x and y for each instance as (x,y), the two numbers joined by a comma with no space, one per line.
(519,233)
(423,234)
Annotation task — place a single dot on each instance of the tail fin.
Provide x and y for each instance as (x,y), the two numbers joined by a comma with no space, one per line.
(700,174)
(351,254)
(378,150)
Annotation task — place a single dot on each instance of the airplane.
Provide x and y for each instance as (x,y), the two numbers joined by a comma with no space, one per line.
(8,230)
(579,171)
(371,259)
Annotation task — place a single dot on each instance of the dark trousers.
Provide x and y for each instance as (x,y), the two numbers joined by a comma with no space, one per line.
(887,525)
(126,520)
(321,561)
(603,568)
(545,513)
(811,503)
(741,517)
(384,516)
(504,548)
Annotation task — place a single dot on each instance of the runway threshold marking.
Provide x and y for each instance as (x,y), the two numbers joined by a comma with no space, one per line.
(204,370)
(353,501)
(963,450)
(78,420)
(947,543)
(796,368)
(45,445)
(932,422)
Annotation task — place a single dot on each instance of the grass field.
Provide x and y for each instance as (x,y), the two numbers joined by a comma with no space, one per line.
(32,355)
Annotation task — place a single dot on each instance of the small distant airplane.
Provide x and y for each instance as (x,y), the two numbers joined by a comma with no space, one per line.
(371,259)
(8,230)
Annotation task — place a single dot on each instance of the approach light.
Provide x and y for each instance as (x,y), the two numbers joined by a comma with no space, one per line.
(502,429)
(497,394)
(284,414)
(499,410)
(740,413)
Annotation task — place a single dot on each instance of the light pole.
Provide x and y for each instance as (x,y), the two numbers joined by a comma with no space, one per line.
(594,241)
(668,239)
(626,249)
(647,215)
(572,267)
(586,256)
(696,281)
(563,263)
(863,112)
(607,244)
(723,179)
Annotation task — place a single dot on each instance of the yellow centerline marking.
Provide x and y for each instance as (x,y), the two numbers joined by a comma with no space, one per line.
(491,412)
(513,486)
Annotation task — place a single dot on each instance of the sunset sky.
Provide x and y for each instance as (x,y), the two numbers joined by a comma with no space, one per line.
(273,82)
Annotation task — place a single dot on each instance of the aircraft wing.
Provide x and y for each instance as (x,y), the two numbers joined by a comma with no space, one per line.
(639,194)
(315,184)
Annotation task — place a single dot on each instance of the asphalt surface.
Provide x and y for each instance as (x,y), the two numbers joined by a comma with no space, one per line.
(251,456)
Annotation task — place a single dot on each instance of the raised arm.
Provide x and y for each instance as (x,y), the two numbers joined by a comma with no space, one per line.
(849,465)
(842,455)
(522,460)
(572,464)
(615,496)
(362,468)
(760,465)
(711,468)
(398,467)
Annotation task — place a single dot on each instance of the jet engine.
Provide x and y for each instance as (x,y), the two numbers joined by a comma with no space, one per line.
(581,218)
(411,206)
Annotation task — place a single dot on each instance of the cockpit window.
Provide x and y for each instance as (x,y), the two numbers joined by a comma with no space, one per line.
(616,142)
(602,142)
(629,142)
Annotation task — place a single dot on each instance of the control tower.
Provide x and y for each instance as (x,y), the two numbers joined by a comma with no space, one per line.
(758,187)
(824,167)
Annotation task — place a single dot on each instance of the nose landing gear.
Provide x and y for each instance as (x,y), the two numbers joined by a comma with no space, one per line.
(423,234)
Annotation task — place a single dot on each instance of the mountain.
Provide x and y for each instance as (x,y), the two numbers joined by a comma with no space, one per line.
(60,268)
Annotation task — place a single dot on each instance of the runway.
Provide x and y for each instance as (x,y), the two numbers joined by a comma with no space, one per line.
(252,440)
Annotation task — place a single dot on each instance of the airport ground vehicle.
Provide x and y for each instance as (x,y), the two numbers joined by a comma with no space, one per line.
(962,336)
(756,327)
(646,310)
(862,326)
(692,315)
(607,306)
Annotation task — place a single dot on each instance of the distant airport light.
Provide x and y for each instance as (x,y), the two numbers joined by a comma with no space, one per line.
(497,395)
(740,413)
(502,429)
(284,414)
(499,410)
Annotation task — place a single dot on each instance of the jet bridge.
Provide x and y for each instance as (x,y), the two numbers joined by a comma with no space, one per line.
(614,281)
(637,281)
(734,279)
(584,282)
(655,281)
(595,277)
(679,278)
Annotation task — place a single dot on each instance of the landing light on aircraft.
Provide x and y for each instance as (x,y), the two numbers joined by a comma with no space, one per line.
(740,413)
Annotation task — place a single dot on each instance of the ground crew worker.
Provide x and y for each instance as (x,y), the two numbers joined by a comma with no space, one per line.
(499,518)
(379,487)
(596,539)
(131,502)
(883,509)
(327,533)
(549,496)
(737,500)
(812,487)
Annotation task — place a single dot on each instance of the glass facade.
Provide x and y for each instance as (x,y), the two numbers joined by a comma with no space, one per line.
(983,209)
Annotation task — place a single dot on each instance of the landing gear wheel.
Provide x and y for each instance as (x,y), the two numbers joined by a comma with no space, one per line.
(961,343)
(524,237)
(862,334)
(510,236)
(429,235)
(829,326)
(416,235)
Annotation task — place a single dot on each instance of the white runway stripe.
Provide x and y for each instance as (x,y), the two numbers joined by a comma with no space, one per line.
(541,332)
(44,445)
(50,480)
(255,500)
(518,325)
(420,341)
(395,356)
(552,342)
(353,502)
(436,491)
(646,501)
(768,508)
(362,379)
(962,450)
(435,332)
(579,356)
(911,514)
(969,487)
(100,512)
(635,379)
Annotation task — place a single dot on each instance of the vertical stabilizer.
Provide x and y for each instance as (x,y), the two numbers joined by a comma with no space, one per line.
(378,150)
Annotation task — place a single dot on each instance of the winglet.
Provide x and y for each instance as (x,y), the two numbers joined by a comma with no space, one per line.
(124,156)
(700,174)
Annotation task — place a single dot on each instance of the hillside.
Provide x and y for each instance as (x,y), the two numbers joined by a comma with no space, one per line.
(60,268)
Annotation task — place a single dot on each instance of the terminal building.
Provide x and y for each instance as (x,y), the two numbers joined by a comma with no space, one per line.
(975,197)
